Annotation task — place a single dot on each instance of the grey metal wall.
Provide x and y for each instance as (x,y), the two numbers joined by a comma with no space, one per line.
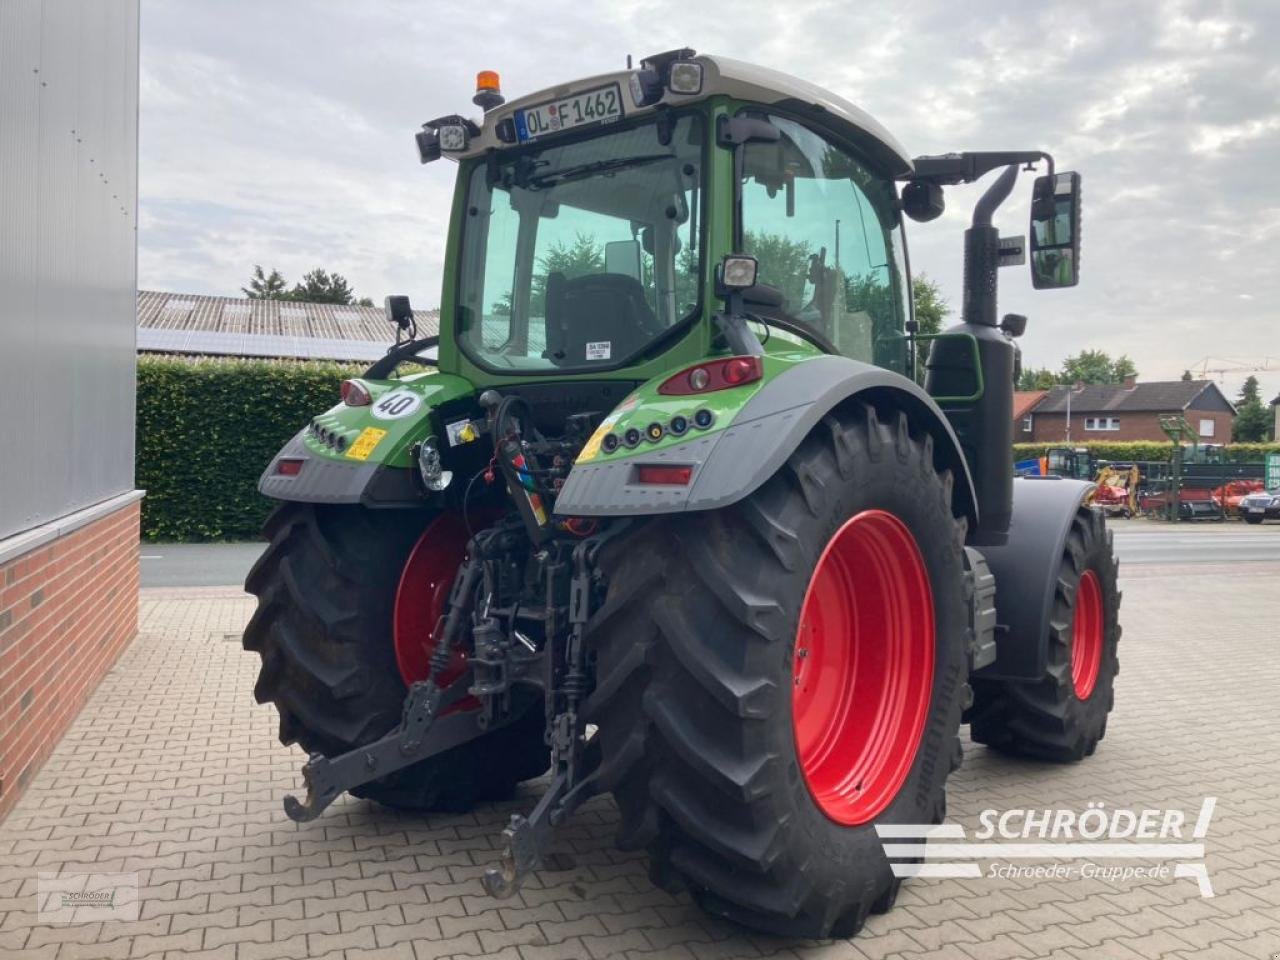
(68,231)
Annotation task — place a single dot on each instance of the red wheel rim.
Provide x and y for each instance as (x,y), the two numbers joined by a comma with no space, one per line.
(423,595)
(1086,635)
(863,667)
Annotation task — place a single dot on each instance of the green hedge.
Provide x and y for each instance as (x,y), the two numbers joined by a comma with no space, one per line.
(1146,450)
(206,430)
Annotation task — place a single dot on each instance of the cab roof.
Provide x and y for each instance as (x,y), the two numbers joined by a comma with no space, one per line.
(723,76)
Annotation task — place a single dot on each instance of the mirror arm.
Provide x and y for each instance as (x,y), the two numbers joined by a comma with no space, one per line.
(742,340)
(953,168)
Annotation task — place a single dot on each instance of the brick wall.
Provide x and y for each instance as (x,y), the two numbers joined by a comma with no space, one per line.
(67,610)
(1049,427)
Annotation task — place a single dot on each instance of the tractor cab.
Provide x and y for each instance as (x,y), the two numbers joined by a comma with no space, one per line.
(590,221)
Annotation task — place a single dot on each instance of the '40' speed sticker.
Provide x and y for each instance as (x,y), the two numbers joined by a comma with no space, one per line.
(396,405)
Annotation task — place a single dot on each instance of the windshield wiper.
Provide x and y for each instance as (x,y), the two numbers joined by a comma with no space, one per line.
(584,170)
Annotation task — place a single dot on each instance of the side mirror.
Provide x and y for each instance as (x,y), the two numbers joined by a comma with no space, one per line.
(1055,231)
(398,311)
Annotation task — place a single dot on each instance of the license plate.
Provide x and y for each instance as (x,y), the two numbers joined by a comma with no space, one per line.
(1257,509)
(591,106)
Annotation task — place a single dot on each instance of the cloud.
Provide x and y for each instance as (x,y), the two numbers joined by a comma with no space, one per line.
(281,133)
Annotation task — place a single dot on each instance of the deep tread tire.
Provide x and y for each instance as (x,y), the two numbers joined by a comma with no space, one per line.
(1044,719)
(695,645)
(326,588)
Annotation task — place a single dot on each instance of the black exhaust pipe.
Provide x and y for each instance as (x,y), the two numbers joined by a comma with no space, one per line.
(985,425)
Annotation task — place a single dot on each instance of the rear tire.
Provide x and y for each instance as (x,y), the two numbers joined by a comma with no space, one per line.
(697,645)
(1062,716)
(326,588)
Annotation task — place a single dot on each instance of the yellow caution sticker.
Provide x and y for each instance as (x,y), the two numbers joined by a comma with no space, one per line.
(369,438)
(592,446)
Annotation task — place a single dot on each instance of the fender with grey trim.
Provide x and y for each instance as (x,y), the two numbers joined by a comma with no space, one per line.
(331,481)
(730,464)
(1025,568)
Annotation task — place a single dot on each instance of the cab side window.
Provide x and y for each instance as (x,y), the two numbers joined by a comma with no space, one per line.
(826,232)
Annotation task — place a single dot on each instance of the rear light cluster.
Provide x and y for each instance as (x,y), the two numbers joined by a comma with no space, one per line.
(677,426)
(355,393)
(330,438)
(712,375)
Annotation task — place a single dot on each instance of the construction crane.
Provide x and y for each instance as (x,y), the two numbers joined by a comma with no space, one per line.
(1225,365)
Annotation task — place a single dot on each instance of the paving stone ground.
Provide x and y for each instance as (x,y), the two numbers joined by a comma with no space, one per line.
(174,773)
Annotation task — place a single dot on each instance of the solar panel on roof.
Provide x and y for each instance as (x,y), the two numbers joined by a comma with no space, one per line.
(256,345)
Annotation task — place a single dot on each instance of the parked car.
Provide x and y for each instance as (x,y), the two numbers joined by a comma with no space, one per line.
(1263,505)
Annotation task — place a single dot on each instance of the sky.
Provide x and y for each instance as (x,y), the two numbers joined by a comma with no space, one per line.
(280,132)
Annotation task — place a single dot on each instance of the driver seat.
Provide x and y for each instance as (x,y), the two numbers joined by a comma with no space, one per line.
(596,319)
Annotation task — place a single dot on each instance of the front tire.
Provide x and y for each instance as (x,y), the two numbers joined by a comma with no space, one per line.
(1063,715)
(699,696)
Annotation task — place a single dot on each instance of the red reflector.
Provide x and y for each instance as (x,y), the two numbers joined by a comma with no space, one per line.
(712,375)
(355,394)
(288,467)
(670,476)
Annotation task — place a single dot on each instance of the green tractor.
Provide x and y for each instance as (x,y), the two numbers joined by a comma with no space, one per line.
(675,516)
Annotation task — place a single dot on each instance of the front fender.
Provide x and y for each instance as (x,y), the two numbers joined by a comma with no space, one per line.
(731,463)
(1026,569)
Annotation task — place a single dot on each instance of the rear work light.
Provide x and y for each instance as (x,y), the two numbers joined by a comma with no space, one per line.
(288,467)
(712,375)
(355,394)
(663,475)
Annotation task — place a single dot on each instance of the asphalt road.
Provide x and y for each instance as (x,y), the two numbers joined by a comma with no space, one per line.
(1137,542)
(197,564)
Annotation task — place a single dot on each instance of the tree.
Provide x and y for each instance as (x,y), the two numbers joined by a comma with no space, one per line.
(266,286)
(320,286)
(1096,366)
(931,310)
(578,259)
(1088,366)
(1041,379)
(1123,369)
(1252,423)
(784,264)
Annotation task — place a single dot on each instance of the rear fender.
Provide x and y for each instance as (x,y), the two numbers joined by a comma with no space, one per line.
(1026,572)
(731,463)
(364,454)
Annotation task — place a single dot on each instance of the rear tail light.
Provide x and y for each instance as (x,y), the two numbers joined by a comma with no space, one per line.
(664,475)
(288,467)
(355,394)
(712,375)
